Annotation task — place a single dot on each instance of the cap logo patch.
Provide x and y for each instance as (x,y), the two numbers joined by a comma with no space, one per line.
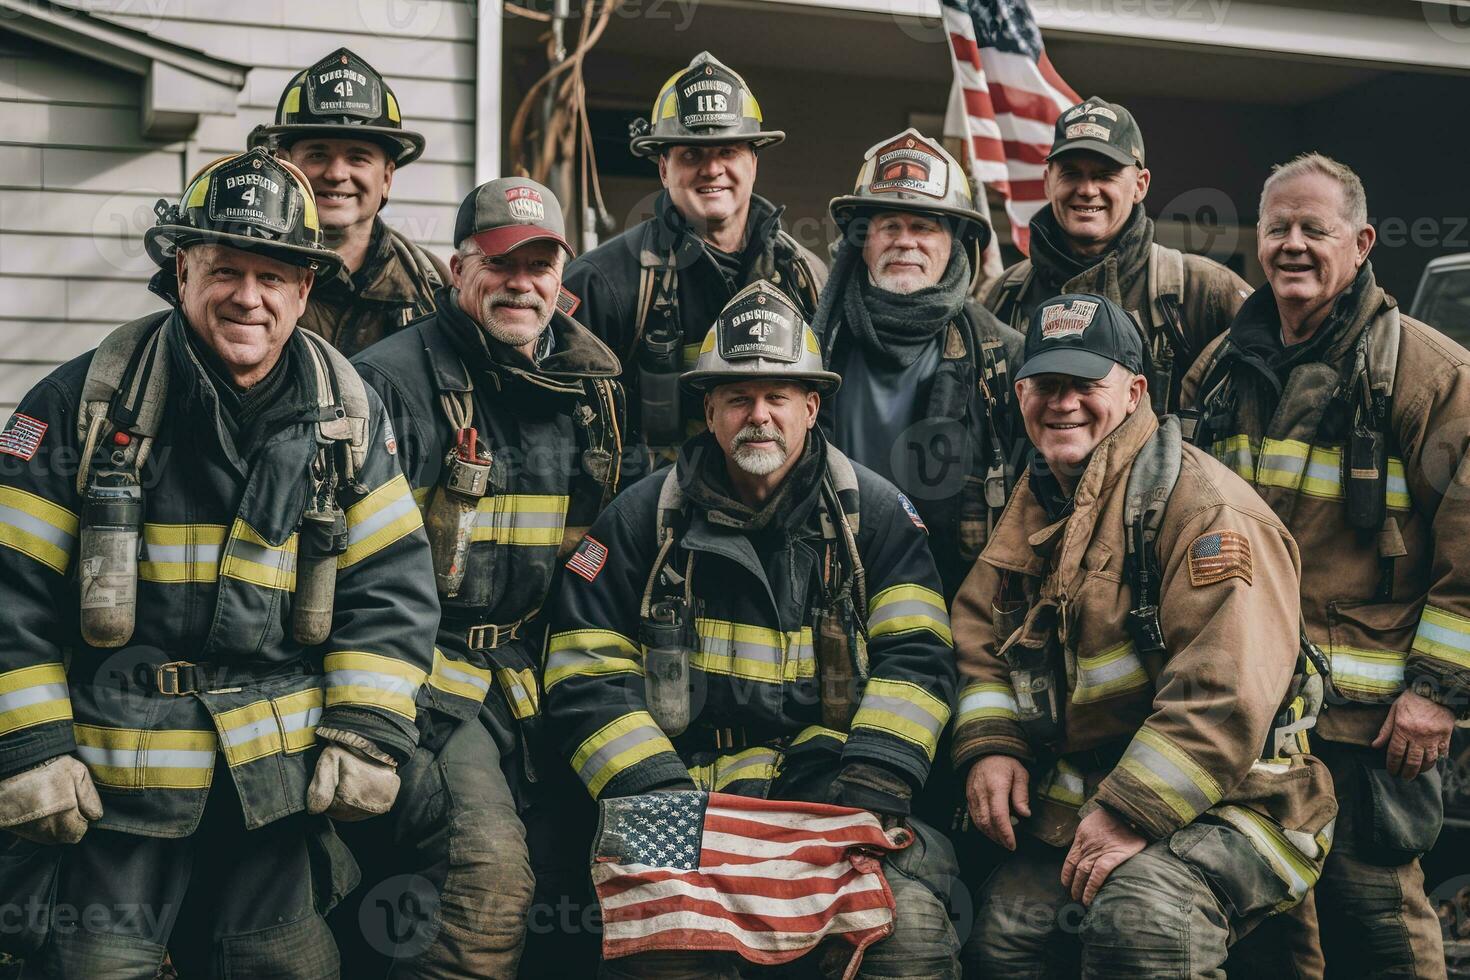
(708,98)
(525,204)
(343,86)
(1088,109)
(1078,131)
(908,167)
(252,191)
(1063,321)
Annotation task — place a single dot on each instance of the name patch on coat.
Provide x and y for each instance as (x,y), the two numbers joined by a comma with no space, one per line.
(588,559)
(1219,555)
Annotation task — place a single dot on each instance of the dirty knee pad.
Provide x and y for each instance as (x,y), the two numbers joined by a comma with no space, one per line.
(924,944)
(79,954)
(300,950)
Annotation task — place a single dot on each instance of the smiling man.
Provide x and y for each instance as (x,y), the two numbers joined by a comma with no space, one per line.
(926,400)
(215,632)
(652,292)
(1126,642)
(1095,237)
(341,124)
(708,633)
(1353,421)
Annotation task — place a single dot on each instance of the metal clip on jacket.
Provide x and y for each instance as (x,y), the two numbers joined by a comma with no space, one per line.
(450,517)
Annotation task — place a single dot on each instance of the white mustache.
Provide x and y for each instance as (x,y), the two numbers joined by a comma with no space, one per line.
(519,301)
(907,255)
(756,433)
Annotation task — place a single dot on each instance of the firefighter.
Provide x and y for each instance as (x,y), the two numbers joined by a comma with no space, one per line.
(794,642)
(1095,237)
(925,392)
(219,609)
(1352,421)
(341,124)
(1128,641)
(652,292)
(506,416)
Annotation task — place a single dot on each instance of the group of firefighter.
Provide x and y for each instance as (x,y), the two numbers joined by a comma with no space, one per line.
(1150,579)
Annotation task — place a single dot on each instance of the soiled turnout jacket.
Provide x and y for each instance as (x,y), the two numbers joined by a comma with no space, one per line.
(395,285)
(1160,744)
(964,456)
(604,285)
(1389,607)
(542,498)
(215,587)
(755,666)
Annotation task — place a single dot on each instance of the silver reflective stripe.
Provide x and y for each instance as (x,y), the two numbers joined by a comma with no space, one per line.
(281,559)
(1325,472)
(376,522)
(903,709)
(240,734)
(27,696)
(298,720)
(1443,634)
(36,527)
(520,519)
(907,607)
(184,554)
(1126,664)
(1282,463)
(447,669)
(1141,755)
(597,760)
(348,677)
(150,758)
(990,702)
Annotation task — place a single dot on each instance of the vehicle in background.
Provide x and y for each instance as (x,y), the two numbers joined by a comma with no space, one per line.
(1443,297)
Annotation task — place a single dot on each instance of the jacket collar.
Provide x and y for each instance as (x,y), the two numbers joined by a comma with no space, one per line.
(454,342)
(670,230)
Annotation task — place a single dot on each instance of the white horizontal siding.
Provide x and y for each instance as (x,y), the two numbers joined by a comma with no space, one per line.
(78,182)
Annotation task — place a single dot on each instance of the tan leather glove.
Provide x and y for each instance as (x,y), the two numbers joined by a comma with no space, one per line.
(350,783)
(50,804)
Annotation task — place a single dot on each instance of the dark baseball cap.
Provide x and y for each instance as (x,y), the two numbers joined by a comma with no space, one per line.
(1081,334)
(1101,127)
(510,211)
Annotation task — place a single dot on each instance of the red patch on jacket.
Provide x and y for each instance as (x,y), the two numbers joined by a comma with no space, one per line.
(588,559)
(22,436)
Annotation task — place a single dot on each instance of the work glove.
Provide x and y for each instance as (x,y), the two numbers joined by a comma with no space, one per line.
(50,804)
(354,779)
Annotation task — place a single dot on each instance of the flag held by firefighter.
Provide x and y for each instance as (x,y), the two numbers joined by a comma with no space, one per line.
(766,879)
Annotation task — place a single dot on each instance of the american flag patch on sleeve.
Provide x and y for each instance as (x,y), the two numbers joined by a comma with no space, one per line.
(22,436)
(1219,555)
(588,559)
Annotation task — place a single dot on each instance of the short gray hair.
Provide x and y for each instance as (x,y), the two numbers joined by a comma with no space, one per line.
(1354,197)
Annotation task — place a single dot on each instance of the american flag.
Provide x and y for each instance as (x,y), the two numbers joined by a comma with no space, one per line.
(762,878)
(1009,98)
(22,436)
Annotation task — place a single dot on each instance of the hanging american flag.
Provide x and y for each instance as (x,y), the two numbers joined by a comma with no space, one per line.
(1009,98)
(762,878)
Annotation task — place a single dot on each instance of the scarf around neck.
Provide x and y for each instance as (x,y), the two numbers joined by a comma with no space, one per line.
(1056,264)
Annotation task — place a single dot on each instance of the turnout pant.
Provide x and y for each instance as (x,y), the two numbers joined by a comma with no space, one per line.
(1154,917)
(923,945)
(446,878)
(224,901)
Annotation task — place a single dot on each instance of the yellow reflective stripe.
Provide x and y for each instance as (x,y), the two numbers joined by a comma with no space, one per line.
(180,553)
(1109,673)
(250,558)
(520,691)
(33,696)
(131,758)
(1174,777)
(980,701)
(378,520)
(1235,452)
(1282,463)
(756,763)
(299,714)
(817,731)
(1295,870)
(521,519)
(1367,673)
(903,709)
(1443,636)
(588,652)
(1397,494)
(616,746)
(37,528)
(754,652)
(459,677)
(900,608)
(373,680)
(1063,784)
(1323,475)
